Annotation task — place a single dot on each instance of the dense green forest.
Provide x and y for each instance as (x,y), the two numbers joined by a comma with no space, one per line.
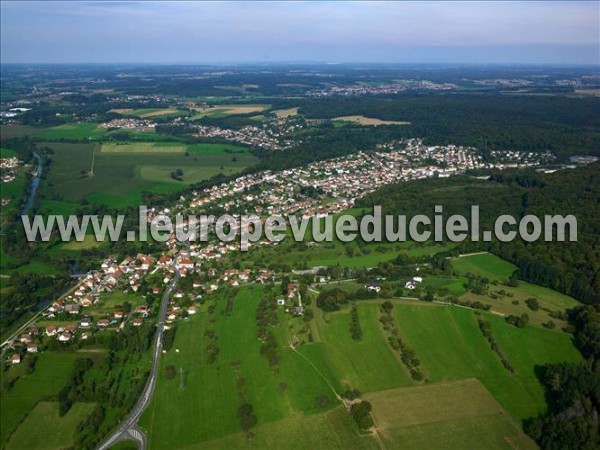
(569,267)
(564,125)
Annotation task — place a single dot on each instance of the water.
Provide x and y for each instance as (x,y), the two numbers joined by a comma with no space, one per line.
(35,182)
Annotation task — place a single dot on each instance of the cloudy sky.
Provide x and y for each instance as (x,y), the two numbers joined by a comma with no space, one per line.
(203,32)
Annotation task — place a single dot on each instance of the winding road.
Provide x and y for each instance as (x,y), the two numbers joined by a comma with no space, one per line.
(129,429)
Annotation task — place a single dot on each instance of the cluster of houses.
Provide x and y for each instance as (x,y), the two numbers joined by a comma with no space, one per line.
(8,169)
(381,88)
(129,123)
(253,136)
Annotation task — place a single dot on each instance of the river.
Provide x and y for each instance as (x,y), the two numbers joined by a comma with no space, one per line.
(35,182)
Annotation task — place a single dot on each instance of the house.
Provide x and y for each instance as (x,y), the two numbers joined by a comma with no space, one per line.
(72,309)
(85,335)
(192,310)
(15,359)
(233,283)
(178,294)
(142,309)
(373,287)
(86,301)
(86,323)
(118,314)
(155,290)
(137,322)
(25,338)
(51,330)
(196,284)
(103,323)
(64,337)
(32,348)
(298,310)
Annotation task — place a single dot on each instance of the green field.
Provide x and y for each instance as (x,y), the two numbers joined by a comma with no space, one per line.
(486,265)
(43,429)
(118,178)
(7,153)
(205,408)
(77,131)
(51,374)
(459,414)
(367,365)
(89,241)
(143,147)
(450,346)
(220,111)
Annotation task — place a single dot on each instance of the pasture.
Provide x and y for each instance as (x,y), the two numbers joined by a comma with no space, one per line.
(43,429)
(148,113)
(143,147)
(285,113)
(485,265)
(51,373)
(450,346)
(117,175)
(458,414)
(220,111)
(367,365)
(78,131)
(204,407)
(370,121)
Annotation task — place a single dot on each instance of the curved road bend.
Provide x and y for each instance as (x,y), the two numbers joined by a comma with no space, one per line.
(129,429)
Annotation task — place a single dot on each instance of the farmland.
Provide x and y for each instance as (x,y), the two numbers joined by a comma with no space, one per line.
(43,428)
(117,174)
(143,147)
(460,414)
(482,403)
(363,120)
(52,370)
(219,111)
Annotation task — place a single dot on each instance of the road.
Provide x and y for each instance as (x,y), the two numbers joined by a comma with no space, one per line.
(129,429)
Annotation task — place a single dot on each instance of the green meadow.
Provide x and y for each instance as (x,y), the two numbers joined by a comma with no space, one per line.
(117,175)
(44,429)
(51,373)
(197,407)
(486,265)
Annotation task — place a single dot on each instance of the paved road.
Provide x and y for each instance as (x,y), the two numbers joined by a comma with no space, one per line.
(129,429)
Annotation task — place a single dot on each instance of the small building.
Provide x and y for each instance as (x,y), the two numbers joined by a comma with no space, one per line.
(118,314)
(64,337)
(137,322)
(51,330)
(32,348)
(15,359)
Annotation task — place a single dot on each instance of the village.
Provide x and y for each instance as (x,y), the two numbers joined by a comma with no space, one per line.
(314,191)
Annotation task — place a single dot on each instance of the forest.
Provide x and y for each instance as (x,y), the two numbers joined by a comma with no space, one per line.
(569,267)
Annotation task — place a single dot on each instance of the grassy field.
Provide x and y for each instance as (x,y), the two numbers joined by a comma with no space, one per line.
(205,408)
(362,120)
(450,346)
(89,241)
(143,147)
(51,373)
(72,131)
(459,414)
(367,365)
(117,175)
(218,111)
(7,153)
(330,430)
(148,113)
(43,429)
(284,113)
(486,265)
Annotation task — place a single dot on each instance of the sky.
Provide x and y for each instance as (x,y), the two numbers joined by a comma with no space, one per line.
(487,32)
